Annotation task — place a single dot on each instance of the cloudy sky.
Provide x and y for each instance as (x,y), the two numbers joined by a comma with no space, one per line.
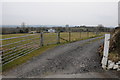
(60,13)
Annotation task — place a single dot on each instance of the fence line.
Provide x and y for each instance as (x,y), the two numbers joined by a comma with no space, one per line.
(14,37)
(6,54)
(20,56)
(15,47)
(16,42)
(15,50)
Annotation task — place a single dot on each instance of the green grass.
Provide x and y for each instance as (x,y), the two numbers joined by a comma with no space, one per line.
(48,38)
(12,35)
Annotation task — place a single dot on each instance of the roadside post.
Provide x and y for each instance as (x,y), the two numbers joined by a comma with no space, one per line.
(106,50)
(41,39)
(58,37)
(69,36)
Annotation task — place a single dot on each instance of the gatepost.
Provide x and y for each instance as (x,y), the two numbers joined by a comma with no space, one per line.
(106,50)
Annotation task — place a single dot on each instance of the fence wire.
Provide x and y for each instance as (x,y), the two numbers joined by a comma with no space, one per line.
(16,47)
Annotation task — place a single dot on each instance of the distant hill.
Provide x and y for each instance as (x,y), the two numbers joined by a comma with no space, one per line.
(35,25)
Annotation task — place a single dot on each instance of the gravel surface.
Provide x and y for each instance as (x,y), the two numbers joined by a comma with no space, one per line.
(73,58)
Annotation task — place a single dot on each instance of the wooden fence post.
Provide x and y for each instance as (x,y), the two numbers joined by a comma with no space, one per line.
(69,36)
(58,37)
(41,39)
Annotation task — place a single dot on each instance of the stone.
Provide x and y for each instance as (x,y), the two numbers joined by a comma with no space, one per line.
(115,66)
(111,65)
(118,62)
(109,61)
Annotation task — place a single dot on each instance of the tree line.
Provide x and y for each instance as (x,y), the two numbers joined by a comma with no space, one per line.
(23,29)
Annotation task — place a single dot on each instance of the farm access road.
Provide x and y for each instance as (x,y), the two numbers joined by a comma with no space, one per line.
(78,59)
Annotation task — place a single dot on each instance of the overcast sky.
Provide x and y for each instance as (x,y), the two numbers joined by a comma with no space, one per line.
(60,13)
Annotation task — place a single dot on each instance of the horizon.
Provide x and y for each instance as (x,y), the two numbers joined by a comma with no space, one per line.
(56,26)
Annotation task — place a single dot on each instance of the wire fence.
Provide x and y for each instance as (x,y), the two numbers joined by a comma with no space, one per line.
(16,47)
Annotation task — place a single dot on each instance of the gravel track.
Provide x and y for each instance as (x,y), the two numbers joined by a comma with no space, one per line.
(73,58)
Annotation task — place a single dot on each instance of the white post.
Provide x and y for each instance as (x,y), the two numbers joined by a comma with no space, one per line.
(106,50)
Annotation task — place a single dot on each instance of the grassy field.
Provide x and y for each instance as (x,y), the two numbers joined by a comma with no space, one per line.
(14,47)
(49,38)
